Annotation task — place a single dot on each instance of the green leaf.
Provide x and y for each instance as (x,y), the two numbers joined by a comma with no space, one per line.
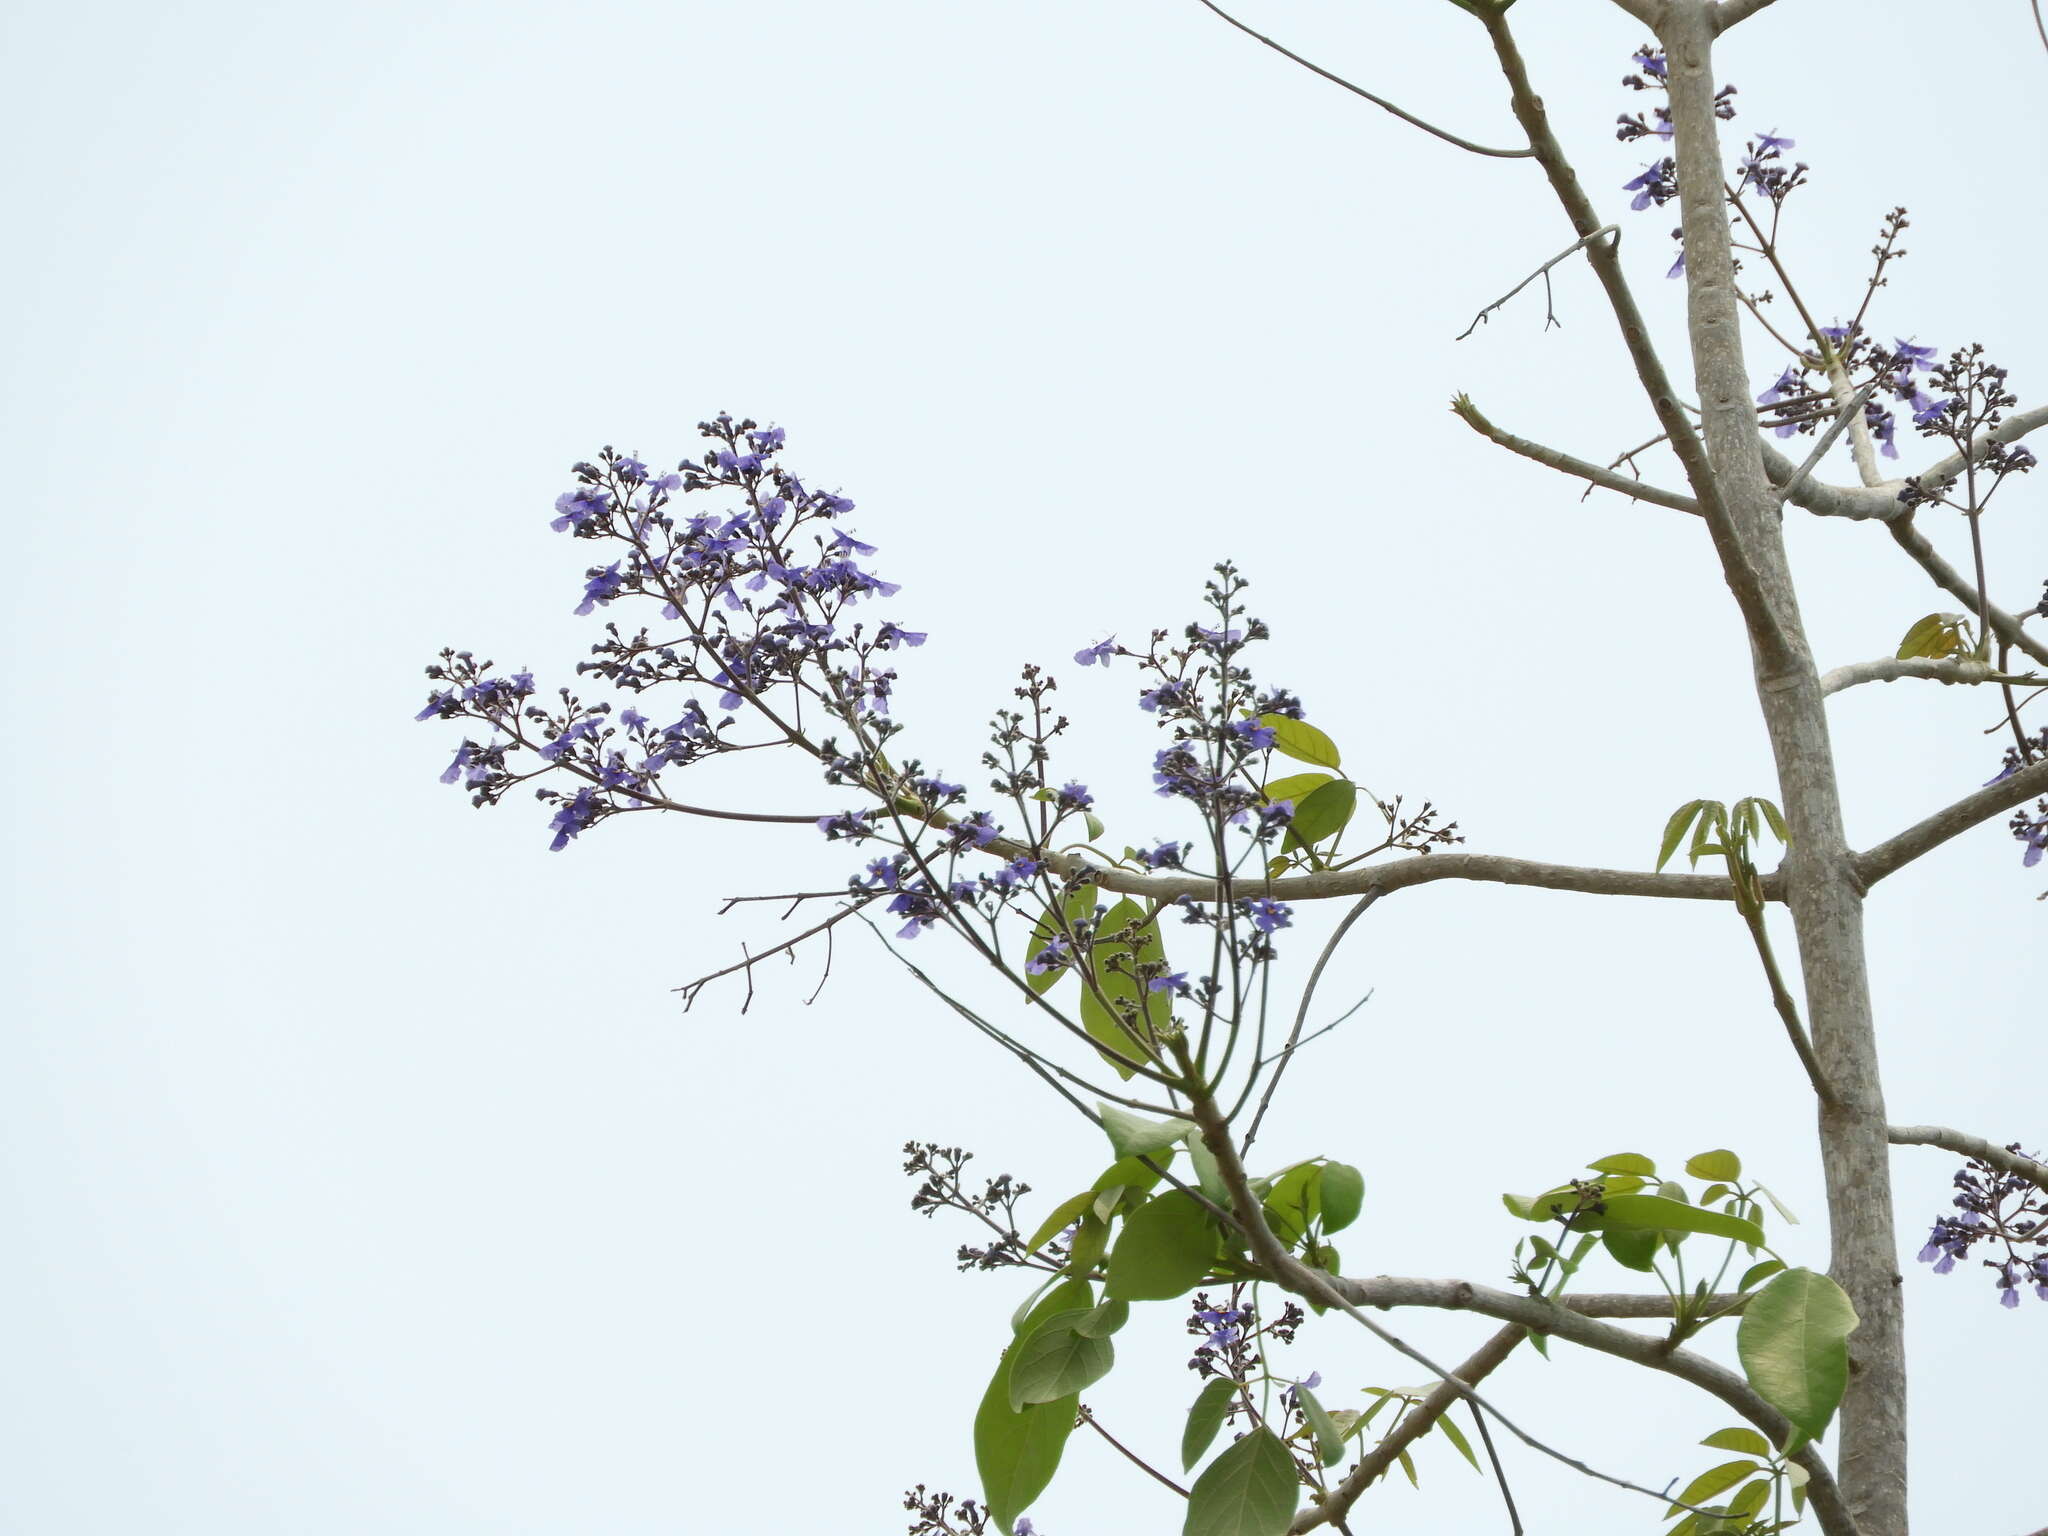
(1632,1249)
(1295,1201)
(1089,1242)
(1408,1466)
(1107,1030)
(1939,634)
(1784,1214)
(1302,741)
(1137,1136)
(1794,1347)
(1707,1484)
(1625,1162)
(1329,1438)
(1675,828)
(1204,1419)
(1100,1322)
(1112,980)
(1296,787)
(1095,828)
(1343,1189)
(1745,1504)
(1063,1216)
(1457,1437)
(1721,1165)
(1132,1174)
(1740,1438)
(1050,1300)
(1080,907)
(1324,813)
(1053,1361)
(1757,1273)
(1654,1213)
(1208,1177)
(1168,1245)
(1016,1454)
(1250,1490)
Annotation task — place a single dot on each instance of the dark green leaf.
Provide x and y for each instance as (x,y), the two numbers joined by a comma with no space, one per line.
(1250,1490)
(1204,1419)
(1302,741)
(1632,1249)
(1168,1245)
(1134,1135)
(1721,1165)
(1017,1453)
(1343,1188)
(1329,1439)
(1326,812)
(1053,1361)
(1794,1345)
(1295,1201)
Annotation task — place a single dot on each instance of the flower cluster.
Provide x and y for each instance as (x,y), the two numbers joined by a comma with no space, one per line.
(1973,403)
(2000,1208)
(1657,184)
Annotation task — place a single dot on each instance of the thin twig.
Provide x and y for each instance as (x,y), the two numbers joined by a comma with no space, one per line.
(1550,318)
(1130,1455)
(1854,408)
(1499,1476)
(1895,853)
(1552,458)
(1378,101)
(1788,1010)
(1308,993)
(692,988)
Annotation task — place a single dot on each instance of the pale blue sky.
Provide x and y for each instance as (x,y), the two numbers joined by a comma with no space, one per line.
(359,1169)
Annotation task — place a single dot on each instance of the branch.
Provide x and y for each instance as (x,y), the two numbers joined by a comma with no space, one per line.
(1944,669)
(1969,1146)
(1881,502)
(1440,1399)
(1549,319)
(1541,1315)
(1950,580)
(1852,409)
(1607,479)
(1729,12)
(1896,853)
(1381,102)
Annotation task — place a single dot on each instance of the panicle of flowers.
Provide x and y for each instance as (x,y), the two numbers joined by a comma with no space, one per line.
(1999,1209)
(939,1514)
(1972,402)
(1657,183)
(995,1207)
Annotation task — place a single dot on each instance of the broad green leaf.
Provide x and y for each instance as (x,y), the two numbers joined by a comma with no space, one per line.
(1329,1438)
(1053,1361)
(1625,1162)
(1675,829)
(1302,741)
(1707,1484)
(1631,1248)
(1100,1322)
(1714,1194)
(1089,1242)
(1016,1454)
(1324,813)
(1343,1188)
(1296,787)
(1134,1135)
(1204,1419)
(1111,981)
(1079,906)
(1794,1345)
(1295,1201)
(1721,1165)
(1168,1245)
(1654,1213)
(1132,1173)
(1095,827)
(1939,634)
(1250,1490)
(1063,1216)
(1208,1177)
(1744,1506)
(1740,1438)
(1052,1298)
(1108,1031)
(1457,1437)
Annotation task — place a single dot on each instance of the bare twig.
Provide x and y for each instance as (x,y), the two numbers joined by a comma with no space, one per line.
(1308,992)
(690,989)
(1378,101)
(1954,582)
(1939,669)
(1129,1455)
(1500,1475)
(1896,853)
(1881,503)
(1851,410)
(1606,479)
(1966,1145)
(1550,317)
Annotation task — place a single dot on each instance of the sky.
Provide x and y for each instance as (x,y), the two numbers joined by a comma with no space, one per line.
(361,1168)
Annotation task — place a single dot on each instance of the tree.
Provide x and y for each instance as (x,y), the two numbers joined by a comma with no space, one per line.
(768,605)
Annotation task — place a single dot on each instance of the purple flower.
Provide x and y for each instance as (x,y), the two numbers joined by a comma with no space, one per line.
(1268,915)
(1911,357)
(1788,383)
(1075,797)
(1651,64)
(848,824)
(1024,1527)
(889,636)
(601,588)
(437,702)
(1312,1380)
(572,818)
(1055,956)
(767,439)
(579,506)
(976,831)
(1168,695)
(1254,736)
(1176,983)
(1165,856)
(1088,656)
(845,543)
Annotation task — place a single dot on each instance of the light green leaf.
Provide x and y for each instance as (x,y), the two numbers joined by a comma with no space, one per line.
(1132,1174)
(1053,1361)
(1204,1419)
(1631,1248)
(1343,1191)
(1112,980)
(1089,1242)
(1752,1498)
(1302,741)
(1324,813)
(1079,906)
(1168,1245)
(1296,787)
(1457,1437)
(1779,1206)
(1740,1438)
(1100,1322)
(1757,1273)
(1707,1484)
(1208,1177)
(1134,1135)
(1329,1438)
(1794,1345)
(1721,1165)
(1095,828)
(1408,1466)
(1052,1298)
(1250,1490)
(1063,1216)
(1295,1201)
(1654,1213)
(1625,1162)
(1675,829)
(1016,1454)
(1939,634)
(1109,1031)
